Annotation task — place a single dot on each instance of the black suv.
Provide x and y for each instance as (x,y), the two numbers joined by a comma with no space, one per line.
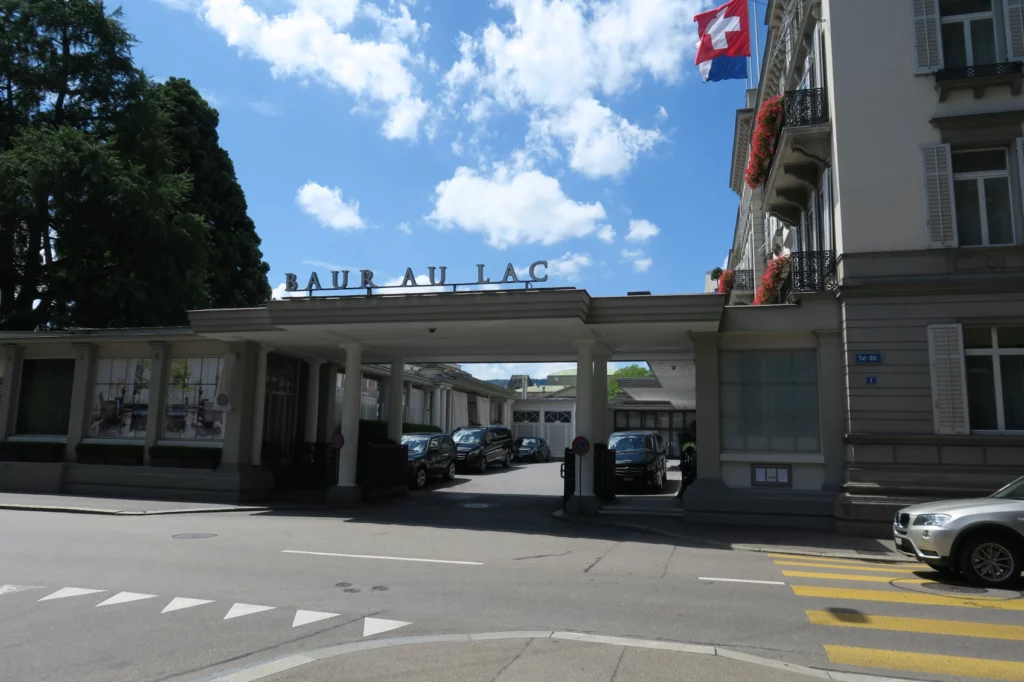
(480,446)
(640,457)
(429,454)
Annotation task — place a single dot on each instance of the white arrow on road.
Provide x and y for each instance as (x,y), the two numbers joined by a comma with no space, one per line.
(375,626)
(11,589)
(124,598)
(179,603)
(239,610)
(70,592)
(307,617)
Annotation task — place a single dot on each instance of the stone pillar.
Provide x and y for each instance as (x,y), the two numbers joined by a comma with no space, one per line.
(396,390)
(708,407)
(445,395)
(312,400)
(327,409)
(508,413)
(10,358)
(350,404)
(831,417)
(239,363)
(159,373)
(599,423)
(259,406)
(435,407)
(81,388)
(584,501)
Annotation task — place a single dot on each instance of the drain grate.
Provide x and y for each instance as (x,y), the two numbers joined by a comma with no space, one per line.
(955,589)
(194,536)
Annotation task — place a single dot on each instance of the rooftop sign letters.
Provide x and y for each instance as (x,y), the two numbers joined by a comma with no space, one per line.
(340,280)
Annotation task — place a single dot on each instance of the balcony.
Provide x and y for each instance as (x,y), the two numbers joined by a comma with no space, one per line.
(802,151)
(979,78)
(809,271)
(743,280)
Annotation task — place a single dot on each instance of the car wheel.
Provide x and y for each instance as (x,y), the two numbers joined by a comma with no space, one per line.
(944,570)
(507,462)
(482,467)
(658,484)
(449,473)
(991,560)
(419,478)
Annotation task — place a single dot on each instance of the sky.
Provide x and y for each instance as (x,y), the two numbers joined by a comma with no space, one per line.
(385,135)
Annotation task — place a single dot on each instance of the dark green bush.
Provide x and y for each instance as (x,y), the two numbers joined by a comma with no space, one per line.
(184,457)
(114,454)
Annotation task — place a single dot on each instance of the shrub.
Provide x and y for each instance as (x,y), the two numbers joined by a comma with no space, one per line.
(771,281)
(126,454)
(726,282)
(716,273)
(184,457)
(762,145)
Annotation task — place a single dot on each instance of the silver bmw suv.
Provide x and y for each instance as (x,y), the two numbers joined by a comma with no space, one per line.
(982,539)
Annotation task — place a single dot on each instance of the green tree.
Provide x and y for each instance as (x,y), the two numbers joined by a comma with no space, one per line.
(236,274)
(630,372)
(94,220)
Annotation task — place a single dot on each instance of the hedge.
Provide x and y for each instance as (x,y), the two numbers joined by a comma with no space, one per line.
(31,451)
(184,457)
(108,453)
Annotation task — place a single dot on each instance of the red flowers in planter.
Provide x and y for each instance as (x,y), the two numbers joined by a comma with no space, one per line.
(762,146)
(726,281)
(771,281)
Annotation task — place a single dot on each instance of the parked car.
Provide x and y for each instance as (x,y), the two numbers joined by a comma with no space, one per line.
(534,448)
(480,446)
(640,457)
(430,454)
(982,538)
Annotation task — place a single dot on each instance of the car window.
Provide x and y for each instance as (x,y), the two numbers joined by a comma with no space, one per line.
(625,442)
(1014,491)
(415,443)
(471,436)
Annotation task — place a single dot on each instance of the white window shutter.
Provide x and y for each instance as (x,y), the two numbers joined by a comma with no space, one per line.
(1013,11)
(939,201)
(927,36)
(949,378)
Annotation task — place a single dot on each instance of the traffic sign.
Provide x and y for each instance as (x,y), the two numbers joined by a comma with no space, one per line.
(338,442)
(580,445)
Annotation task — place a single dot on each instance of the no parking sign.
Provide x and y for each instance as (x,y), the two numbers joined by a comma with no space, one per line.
(580,445)
(338,442)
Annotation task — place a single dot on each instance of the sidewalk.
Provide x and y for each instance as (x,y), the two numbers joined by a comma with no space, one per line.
(749,539)
(77,504)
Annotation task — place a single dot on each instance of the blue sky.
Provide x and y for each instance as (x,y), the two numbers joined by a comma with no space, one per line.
(383,135)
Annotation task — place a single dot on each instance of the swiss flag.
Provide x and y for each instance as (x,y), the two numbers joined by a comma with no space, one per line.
(724,32)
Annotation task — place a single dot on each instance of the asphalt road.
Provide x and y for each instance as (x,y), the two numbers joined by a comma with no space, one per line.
(477,555)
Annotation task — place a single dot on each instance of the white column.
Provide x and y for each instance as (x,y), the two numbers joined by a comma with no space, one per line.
(256,449)
(435,407)
(10,357)
(350,403)
(312,400)
(396,393)
(159,369)
(584,500)
(599,423)
(81,388)
(444,409)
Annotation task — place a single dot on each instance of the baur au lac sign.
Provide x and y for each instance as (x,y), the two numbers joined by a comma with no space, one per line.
(339,280)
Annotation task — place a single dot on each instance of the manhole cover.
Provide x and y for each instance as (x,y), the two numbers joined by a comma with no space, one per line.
(343,584)
(955,589)
(194,536)
(476,505)
(352,590)
(380,588)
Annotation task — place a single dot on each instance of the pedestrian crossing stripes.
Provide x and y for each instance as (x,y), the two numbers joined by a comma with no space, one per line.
(896,587)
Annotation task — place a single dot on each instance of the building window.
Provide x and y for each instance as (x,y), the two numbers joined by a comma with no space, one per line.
(774,475)
(981,186)
(525,417)
(120,398)
(558,417)
(994,360)
(968,33)
(44,402)
(191,389)
(769,401)
(281,401)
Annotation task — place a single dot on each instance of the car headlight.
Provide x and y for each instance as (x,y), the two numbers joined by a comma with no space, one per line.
(652,465)
(932,520)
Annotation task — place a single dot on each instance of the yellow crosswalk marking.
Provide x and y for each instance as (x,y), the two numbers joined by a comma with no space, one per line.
(926,626)
(857,578)
(848,562)
(899,597)
(897,569)
(961,666)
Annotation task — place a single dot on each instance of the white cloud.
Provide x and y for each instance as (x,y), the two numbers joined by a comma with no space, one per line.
(641,230)
(278,293)
(328,208)
(606,234)
(569,265)
(513,206)
(265,108)
(394,28)
(309,43)
(641,262)
(662,113)
(404,228)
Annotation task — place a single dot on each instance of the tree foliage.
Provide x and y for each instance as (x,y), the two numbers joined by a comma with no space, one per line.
(630,372)
(100,221)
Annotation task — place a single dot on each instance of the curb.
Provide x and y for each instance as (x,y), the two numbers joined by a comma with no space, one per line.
(714,544)
(272,667)
(121,512)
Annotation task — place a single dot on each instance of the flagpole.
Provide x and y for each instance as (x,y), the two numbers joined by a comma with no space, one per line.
(757,47)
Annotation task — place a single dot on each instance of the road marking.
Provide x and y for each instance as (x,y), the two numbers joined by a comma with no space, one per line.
(11,589)
(179,603)
(872,569)
(125,597)
(854,562)
(387,558)
(738,580)
(956,628)
(70,592)
(960,666)
(375,626)
(639,643)
(907,598)
(857,578)
(239,610)
(307,617)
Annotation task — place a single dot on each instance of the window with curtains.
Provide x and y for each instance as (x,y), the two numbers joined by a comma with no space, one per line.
(981,187)
(281,402)
(994,363)
(769,401)
(120,398)
(191,389)
(968,33)
(44,401)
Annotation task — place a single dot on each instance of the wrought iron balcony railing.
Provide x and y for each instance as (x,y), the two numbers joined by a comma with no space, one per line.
(805,107)
(980,71)
(743,280)
(813,271)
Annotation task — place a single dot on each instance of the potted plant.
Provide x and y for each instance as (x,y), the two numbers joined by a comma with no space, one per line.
(771,281)
(715,274)
(726,282)
(762,144)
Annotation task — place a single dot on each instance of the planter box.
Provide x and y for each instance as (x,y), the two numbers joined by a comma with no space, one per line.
(109,454)
(27,451)
(31,477)
(177,457)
